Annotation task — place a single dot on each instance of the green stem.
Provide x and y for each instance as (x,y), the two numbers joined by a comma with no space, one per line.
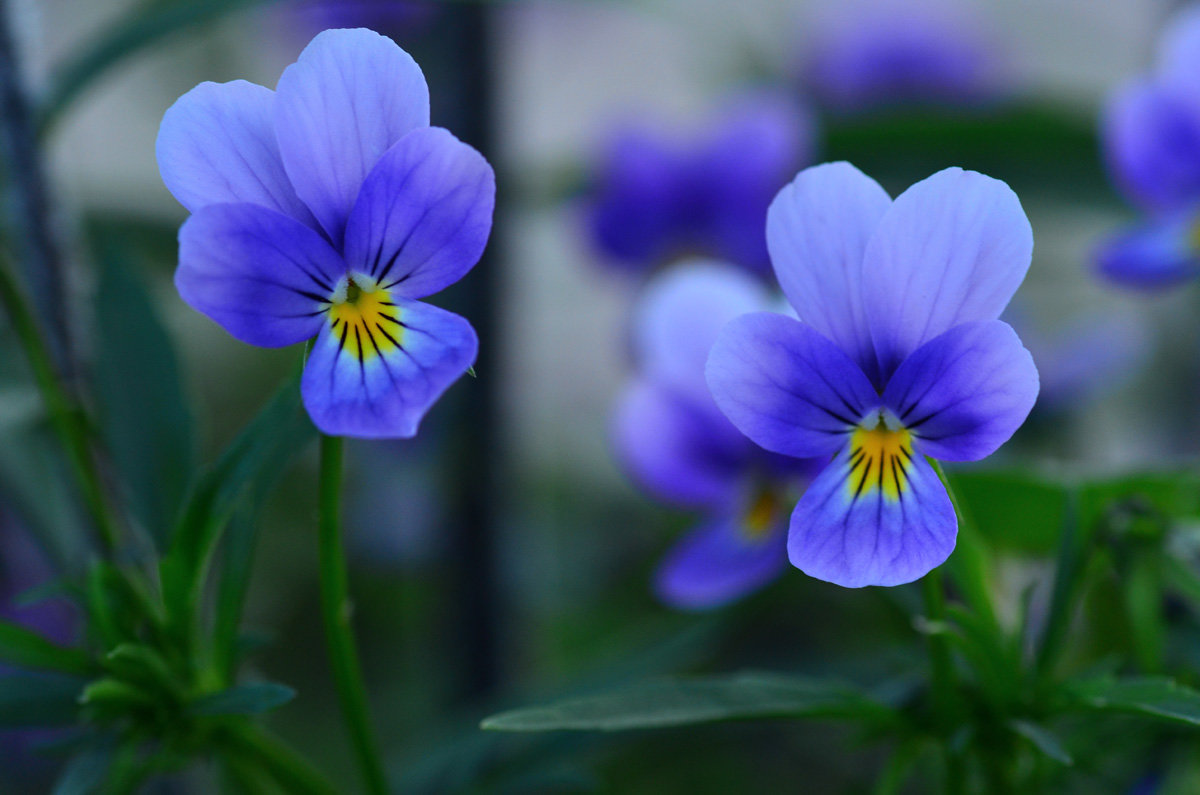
(335,608)
(290,770)
(968,564)
(66,415)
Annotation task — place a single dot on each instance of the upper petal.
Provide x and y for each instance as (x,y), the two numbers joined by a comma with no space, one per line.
(817,232)
(854,533)
(952,249)
(679,315)
(216,145)
(719,562)
(350,95)
(788,388)
(423,215)
(265,277)
(964,393)
(381,387)
(1151,138)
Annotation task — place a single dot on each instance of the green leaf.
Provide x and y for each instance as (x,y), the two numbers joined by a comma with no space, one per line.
(1014,510)
(1043,739)
(144,413)
(86,772)
(28,700)
(683,702)
(27,649)
(251,699)
(1158,697)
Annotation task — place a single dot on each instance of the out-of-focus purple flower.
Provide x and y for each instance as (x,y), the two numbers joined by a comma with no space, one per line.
(676,444)
(395,18)
(655,198)
(898,355)
(873,53)
(1150,130)
(326,209)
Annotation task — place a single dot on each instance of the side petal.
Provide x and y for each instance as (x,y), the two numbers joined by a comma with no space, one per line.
(788,388)
(817,233)
(423,215)
(216,145)
(854,534)
(963,394)
(263,276)
(350,95)
(679,452)
(717,563)
(679,315)
(1153,256)
(952,249)
(380,388)
(1151,138)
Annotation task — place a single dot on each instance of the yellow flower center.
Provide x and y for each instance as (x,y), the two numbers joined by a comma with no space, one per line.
(364,319)
(880,458)
(762,514)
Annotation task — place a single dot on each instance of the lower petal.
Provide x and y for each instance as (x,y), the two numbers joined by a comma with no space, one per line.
(1151,257)
(883,524)
(382,386)
(719,562)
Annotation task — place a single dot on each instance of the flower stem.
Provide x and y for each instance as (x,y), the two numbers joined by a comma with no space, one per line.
(284,765)
(66,415)
(335,609)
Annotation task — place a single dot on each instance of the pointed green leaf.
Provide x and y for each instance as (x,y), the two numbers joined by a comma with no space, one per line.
(249,699)
(682,702)
(1043,739)
(25,648)
(86,772)
(28,700)
(1158,697)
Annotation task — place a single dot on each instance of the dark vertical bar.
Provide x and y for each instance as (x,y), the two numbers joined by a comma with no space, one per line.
(29,223)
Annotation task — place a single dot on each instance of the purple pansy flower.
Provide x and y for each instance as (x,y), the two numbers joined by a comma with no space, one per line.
(395,17)
(1150,131)
(655,198)
(871,53)
(674,441)
(326,209)
(898,354)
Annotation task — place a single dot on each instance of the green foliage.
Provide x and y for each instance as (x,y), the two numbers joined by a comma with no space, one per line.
(248,699)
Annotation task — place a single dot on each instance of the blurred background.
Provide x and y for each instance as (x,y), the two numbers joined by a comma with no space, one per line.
(504,556)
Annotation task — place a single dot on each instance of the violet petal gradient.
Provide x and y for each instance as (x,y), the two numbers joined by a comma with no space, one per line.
(679,315)
(817,231)
(965,393)
(1151,137)
(679,451)
(1179,53)
(717,563)
(1153,256)
(263,276)
(423,215)
(952,249)
(870,540)
(216,145)
(350,95)
(386,396)
(786,386)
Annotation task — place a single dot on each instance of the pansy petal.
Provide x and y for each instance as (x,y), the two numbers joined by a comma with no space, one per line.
(1153,256)
(216,145)
(264,276)
(680,452)
(718,562)
(817,232)
(854,534)
(952,249)
(1151,137)
(381,387)
(350,95)
(964,393)
(788,388)
(423,215)
(679,315)
(1179,52)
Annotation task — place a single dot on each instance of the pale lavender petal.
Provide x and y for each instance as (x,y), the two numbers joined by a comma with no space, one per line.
(854,534)
(817,231)
(216,145)
(376,390)
(952,249)
(719,562)
(964,393)
(788,388)
(423,215)
(346,100)
(263,276)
